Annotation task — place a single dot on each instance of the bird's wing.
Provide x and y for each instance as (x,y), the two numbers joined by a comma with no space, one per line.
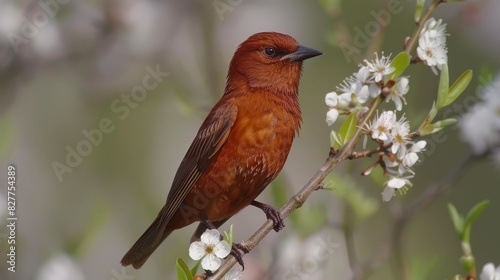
(209,140)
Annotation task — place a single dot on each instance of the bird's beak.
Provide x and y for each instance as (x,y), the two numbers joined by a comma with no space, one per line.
(302,53)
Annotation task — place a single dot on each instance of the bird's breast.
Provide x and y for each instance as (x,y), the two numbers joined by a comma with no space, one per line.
(252,156)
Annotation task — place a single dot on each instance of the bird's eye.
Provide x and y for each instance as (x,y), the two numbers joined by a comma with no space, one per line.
(270,51)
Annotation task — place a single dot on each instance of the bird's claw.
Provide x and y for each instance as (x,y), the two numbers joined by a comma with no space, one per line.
(275,216)
(238,250)
(271,214)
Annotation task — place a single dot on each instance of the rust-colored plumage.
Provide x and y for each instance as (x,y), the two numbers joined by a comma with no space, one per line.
(241,146)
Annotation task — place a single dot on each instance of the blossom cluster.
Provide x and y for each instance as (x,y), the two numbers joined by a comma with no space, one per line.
(400,156)
(354,92)
(372,79)
(432,44)
(481,125)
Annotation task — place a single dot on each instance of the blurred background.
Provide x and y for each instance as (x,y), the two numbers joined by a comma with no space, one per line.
(73,72)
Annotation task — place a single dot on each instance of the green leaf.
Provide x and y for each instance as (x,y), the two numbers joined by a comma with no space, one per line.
(457,219)
(183,271)
(195,268)
(437,126)
(427,129)
(444,83)
(229,236)
(444,123)
(347,129)
(418,10)
(469,262)
(335,141)
(458,87)
(432,113)
(475,212)
(400,63)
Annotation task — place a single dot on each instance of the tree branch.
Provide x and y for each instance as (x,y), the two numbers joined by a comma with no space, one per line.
(298,199)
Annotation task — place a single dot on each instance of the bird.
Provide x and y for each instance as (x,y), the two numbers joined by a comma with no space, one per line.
(240,147)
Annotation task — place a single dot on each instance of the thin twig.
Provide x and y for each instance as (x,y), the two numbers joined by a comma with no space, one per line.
(423,19)
(369,153)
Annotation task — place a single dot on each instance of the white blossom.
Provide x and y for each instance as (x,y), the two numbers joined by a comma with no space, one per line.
(380,67)
(480,127)
(381,128)
(432,44)
(393,184)
(344,100)
(411,157)
(331,99)
(210,250)
(400,135)
(431,52)
(489,272)
(398,92)
(364,78)
(435,30)
(331,116)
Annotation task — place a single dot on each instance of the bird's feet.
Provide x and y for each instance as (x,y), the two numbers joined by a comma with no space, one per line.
(238,250)
(272,214)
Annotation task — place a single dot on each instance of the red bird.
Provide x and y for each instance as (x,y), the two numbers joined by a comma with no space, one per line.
(241,146)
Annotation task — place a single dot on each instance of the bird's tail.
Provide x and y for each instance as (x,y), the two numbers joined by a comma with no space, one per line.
(144,247)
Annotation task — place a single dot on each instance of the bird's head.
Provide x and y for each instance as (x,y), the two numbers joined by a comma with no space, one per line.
(268,61)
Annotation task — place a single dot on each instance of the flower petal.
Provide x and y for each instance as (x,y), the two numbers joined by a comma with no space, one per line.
(331,116)
(210,237)
(222,249)
(197,250)
(211,262)
(331,99)
(488,272)
(388,194)
(396,183)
